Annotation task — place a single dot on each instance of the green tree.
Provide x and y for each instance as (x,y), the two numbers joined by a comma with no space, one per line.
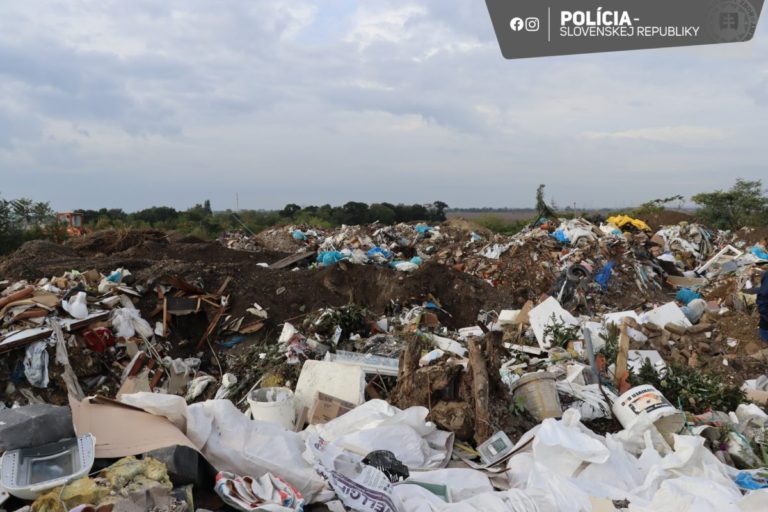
(381,213)
(439,208)
(743,205)
(290,210)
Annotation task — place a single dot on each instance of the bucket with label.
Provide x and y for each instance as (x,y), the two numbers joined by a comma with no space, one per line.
(648,399)
(273,404)
(539,395)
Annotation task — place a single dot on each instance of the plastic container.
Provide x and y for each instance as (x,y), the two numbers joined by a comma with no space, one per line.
(273,404)
(539,395)
(28,472)
(648,399)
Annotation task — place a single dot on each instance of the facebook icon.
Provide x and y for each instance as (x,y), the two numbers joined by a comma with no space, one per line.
(517,24)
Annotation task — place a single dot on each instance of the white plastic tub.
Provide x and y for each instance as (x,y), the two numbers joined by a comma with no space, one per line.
(648,399)
(273,404)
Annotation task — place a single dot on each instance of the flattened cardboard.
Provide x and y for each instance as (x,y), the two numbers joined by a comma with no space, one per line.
(327,408)
(123,430)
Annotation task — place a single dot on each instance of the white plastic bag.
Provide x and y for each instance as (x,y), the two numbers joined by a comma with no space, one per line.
(76,306)
(127,322)
(36,364)
(377,425)
(232,442)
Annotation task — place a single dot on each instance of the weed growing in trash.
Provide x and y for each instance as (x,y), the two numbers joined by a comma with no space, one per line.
(611,347)
(561,333)
(695,390)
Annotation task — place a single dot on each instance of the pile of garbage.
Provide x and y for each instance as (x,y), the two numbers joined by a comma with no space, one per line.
(573,366)
(619,263)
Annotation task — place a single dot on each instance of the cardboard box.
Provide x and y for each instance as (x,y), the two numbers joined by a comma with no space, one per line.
(327,407)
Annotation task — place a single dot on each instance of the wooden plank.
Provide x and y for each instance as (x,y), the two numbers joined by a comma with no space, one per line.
(480,391)
(292,259)
(623,354)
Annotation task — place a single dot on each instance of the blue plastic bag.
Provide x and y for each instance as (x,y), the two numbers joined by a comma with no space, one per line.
(422,230)
(759,252)
(750,482)
(378,250)
(560,236)
(686,295)
(329,258)
(298,235)
(604,275)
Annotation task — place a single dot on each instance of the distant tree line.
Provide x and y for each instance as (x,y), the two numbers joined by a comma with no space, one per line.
(22,220)
(202,221)
(744,204)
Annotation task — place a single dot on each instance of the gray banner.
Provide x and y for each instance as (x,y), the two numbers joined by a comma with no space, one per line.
(537,28)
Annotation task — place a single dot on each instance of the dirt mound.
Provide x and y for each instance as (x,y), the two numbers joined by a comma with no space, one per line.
(24,261)
(284,293)
(666,218)
(753,235)
(111,241)
(111,249)
(289,294)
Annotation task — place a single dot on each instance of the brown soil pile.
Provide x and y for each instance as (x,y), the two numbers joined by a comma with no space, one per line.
(284,293)
(666,218)
(753,235)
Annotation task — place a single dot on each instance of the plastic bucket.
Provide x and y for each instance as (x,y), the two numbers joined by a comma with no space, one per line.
(273,404)
(648,399)
(539,395)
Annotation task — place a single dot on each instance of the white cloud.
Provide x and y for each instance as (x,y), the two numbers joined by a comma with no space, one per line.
(318,101)
(669,134)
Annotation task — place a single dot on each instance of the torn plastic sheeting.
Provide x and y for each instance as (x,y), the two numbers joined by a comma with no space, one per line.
(358,486)
(76,306)
(172,407)
(448,345)
(36,364)
(377,425)
(588,400)
(495,251)
(127,322)
(469,491)
(541,316)
(232,442)
(570,463)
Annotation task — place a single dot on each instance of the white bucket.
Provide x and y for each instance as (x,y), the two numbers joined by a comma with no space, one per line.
(539,395)
(648,399)
(273,404)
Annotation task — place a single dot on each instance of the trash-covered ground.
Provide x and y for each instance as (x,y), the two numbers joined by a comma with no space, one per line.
(577,365)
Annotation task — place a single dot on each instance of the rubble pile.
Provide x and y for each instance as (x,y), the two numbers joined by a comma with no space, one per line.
(575,366)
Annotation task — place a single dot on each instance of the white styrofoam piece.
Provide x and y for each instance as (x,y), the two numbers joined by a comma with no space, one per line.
(448,345)
(541,316)
(343,381)
(617,317)
(666,314)
(508,316)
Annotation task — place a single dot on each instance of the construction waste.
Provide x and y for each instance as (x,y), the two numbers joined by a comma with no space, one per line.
(574,366)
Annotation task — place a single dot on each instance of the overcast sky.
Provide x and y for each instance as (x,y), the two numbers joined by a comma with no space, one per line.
(135,103)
